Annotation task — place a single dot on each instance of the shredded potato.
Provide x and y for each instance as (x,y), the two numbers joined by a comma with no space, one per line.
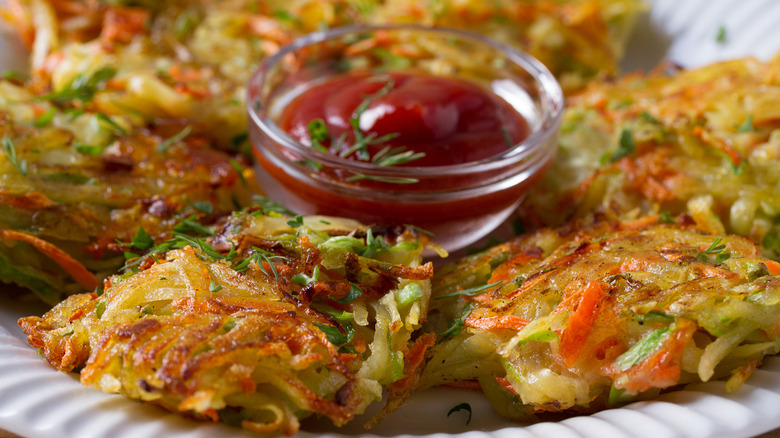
(702,142)
(250,328)
(604,314)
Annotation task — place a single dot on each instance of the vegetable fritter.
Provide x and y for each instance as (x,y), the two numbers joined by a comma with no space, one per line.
(74,181)
(272,319)
(705,142)
(191,59)
(584,318)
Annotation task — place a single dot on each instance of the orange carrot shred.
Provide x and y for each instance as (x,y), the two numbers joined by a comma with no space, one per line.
(581,322)
(76,270)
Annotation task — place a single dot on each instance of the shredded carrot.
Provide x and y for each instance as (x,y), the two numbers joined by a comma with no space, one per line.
(773,267)
(504,271)
(662,368)
(266,27)
(76,270)
(507,322)
(464,384)
(719,144)
(121,24)
(16,14)
(581,322)
(506,384)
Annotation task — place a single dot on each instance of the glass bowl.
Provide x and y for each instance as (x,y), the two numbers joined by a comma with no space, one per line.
(457,203)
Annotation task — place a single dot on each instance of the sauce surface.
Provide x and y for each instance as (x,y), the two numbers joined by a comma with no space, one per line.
(449,120)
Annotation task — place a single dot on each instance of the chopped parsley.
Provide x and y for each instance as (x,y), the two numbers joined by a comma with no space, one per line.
(374,245)
(665,218)
(318,134)
(721,36)
(337,338)
(354,293)
(626,146)
(296,222)
(142,240)
(747,125)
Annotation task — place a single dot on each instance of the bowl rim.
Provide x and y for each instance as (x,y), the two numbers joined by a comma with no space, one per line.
(530,148)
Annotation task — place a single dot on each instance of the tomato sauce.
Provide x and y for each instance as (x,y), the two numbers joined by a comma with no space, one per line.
(449,120)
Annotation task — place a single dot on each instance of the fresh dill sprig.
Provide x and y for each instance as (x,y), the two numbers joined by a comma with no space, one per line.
(10,152)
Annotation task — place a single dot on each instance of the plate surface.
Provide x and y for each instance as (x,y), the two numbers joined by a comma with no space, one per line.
(36,401)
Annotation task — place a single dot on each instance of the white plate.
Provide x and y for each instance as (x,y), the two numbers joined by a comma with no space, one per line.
(36,401)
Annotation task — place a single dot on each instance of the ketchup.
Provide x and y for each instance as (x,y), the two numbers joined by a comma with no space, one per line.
(440,120)
(449,120)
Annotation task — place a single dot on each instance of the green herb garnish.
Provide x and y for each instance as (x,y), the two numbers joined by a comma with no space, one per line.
(747,125)
(88,149)
(626,146)
(509,143)
(190,226)
(203,206)
(45,118)
(470,292)
(214,287)
(270,206)
(305,280)
(354,293)
(461,407)
(457,323)
(318,134)
(142,240)
(259,256)
(335,336)
(10,153)
(167,143)
(100,308)
(374,245)
(82,87)
(665,218)
(721,36)
(642,349)
(716,249)
(295,222)
(108,120)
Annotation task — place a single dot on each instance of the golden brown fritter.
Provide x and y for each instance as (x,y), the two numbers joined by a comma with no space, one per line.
(271,320)
(585,318)
(75,181)
(703,142)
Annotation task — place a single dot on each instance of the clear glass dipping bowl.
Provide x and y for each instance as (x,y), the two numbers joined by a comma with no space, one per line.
(458,203)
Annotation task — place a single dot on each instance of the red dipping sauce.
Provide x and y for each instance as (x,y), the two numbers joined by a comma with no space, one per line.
(327,112)
(449,120)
